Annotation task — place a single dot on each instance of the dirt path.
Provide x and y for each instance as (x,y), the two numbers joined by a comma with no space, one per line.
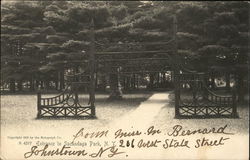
(158,112)
(144,115)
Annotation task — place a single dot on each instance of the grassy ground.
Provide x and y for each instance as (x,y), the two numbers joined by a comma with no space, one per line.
(20,111)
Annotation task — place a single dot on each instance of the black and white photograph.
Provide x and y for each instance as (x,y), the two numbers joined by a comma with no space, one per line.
(149,80)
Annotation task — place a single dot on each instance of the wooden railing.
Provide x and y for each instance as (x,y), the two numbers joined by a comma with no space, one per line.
(57,106)
(219,99)
(51,101)
(212,104)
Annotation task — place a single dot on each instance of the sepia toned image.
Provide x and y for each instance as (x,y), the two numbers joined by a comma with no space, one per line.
(124,80)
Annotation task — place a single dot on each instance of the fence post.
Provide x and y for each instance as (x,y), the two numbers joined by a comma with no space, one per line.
(176,70)
(92,69)
(39,104)
(234,109)
(76,100)
(177,95)
(204,86)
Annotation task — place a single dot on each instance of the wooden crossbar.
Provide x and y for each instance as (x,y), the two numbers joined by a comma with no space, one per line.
(135,43)
(55,112)
(133,52)
(138,72)
(132,59)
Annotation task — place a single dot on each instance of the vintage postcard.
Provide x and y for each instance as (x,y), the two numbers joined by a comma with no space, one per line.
(124,80)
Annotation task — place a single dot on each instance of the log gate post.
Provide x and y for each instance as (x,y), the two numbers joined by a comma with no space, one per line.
(92,69)
(234,110)
(176,70)
(39,104)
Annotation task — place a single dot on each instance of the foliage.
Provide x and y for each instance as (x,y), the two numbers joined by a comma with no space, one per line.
(39,38)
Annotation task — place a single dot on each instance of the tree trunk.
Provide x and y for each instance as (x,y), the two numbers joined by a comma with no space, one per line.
(37,84)
(212,83)
(130,83)
(56,83)
(61,78)
(126,83)
(134,82)
(76,72)
(12,86)
(42,84)
(47,84)
(32,84)
(56,80)
(163,77)
(96,80)
(20,85)
(115,93)
(103,83)
(240,87)
(228,81)
(137,81)
(172,76)
(151,80)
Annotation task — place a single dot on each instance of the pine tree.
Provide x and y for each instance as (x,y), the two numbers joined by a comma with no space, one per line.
(19,23)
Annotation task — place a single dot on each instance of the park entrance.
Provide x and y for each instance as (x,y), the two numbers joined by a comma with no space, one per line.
(193,98)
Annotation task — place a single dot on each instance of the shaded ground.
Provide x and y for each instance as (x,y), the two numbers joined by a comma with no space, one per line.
(20,111)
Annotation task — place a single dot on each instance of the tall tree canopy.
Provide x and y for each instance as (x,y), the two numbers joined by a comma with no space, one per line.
(40,38)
